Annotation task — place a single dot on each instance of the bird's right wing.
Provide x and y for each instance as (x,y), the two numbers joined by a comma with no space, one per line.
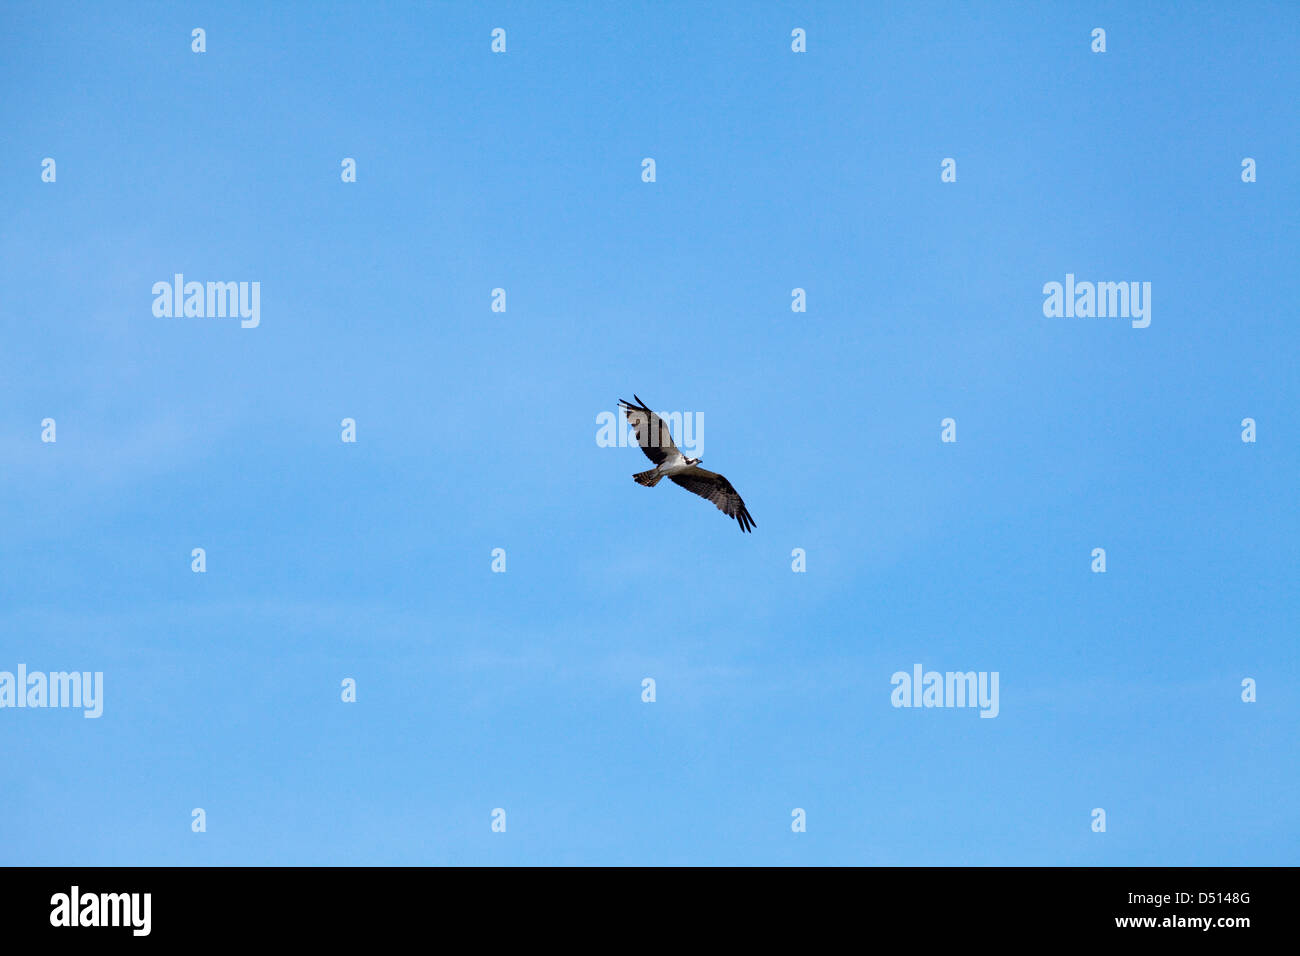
(651,431)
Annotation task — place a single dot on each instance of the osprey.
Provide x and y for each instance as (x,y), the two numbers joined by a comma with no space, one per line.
(653,437)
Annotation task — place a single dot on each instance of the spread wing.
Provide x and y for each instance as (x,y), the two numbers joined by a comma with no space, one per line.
(651,431)
(711,485)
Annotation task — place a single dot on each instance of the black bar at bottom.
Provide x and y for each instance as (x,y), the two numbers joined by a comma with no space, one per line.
(1225,905)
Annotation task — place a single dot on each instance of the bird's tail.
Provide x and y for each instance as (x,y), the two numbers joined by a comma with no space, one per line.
(648,478)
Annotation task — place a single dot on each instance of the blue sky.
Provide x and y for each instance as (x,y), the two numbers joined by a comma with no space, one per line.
(477,430)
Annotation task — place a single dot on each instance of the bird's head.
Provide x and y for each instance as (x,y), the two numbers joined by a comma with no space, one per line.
(693,461)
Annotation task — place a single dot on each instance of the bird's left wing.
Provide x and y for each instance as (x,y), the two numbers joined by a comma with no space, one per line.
(715,488)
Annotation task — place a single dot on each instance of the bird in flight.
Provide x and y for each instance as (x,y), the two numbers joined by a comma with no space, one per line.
(653,437)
